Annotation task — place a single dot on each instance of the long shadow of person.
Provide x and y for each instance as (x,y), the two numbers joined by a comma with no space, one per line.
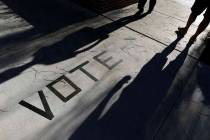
(65,49)
(129,115)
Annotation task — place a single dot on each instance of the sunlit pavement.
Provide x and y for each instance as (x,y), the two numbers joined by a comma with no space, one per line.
(81,75)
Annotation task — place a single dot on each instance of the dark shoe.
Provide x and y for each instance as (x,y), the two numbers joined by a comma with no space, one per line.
(150,11)
(181,32)
(138,13)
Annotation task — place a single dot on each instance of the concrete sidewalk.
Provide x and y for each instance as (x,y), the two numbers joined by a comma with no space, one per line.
(98,77)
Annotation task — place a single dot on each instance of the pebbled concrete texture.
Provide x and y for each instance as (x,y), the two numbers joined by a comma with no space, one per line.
(134,79)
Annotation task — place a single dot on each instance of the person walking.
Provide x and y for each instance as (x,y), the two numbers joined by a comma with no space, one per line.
(141,4)
(198,7)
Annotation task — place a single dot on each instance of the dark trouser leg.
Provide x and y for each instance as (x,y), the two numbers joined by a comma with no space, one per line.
(191,19)
(151,5)
(141,4)
(201,28)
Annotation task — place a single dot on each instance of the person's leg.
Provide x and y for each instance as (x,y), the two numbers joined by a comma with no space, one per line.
(201,28)
(141,5)
(152,4)
(197,8)
(182,31)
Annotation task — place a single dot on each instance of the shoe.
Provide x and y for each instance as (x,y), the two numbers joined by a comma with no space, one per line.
(181,32)
(149,11)
(140,11)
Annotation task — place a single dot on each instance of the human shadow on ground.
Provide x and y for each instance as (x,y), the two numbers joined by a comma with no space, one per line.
(129,116)
(45,16)
(69,47)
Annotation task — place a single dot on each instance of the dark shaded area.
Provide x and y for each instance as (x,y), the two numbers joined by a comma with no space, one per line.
(129,117)
(142,3)
(19,36)
(102,6)
(65,49)
(203,73)
(203,76)
(205,56)
(45,15)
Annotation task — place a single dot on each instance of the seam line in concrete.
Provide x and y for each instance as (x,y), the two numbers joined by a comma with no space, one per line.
(174,18)
(193,57)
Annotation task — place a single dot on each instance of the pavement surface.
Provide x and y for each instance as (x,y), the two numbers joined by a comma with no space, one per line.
(69,73)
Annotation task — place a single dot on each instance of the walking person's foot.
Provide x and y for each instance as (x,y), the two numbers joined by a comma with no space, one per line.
(139,12)
(149,11)
(181,32)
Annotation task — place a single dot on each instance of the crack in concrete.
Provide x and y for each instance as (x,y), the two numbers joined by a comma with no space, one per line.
(35,75)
